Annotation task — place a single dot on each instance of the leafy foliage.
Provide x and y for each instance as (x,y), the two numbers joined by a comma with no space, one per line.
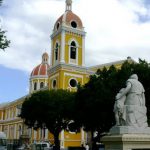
(4,43)
(1,2)
(52,108)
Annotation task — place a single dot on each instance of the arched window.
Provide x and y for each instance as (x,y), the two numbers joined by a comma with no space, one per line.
(56,51)
(35,86)
(41,85)
(73,50)
(54,84)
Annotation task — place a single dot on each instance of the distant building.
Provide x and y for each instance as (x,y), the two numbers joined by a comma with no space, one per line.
(66,69)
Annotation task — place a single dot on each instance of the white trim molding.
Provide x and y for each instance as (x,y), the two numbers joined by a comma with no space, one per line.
(62,53)
(51,60)
(58,55)
(73,76)
(62,139)
(83,51)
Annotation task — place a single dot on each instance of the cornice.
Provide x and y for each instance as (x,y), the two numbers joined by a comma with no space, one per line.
(39,77)
(111,63)
(15,102)
(69,67)
(68,29)
(12,120)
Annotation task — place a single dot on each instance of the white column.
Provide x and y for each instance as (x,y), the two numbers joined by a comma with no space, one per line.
(62,139)
(13,113)
(32,88)
(82,136)
(51,60)
(35,135)
(83,51)
(9,113)
(30,134)
(16,115)
(62,51)
(40,133)
(38,84)
(46,134)
(2,117)
(15,130)
(86,137)
(77,57)
(8,132)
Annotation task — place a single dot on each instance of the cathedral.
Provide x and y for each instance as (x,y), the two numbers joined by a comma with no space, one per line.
(64,70)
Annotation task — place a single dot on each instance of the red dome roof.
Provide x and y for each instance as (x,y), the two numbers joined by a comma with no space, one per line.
(40,70)
(67,18)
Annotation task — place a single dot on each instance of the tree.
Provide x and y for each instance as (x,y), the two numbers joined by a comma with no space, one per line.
(4,43)
(52,108)
(1,2)
(95,100)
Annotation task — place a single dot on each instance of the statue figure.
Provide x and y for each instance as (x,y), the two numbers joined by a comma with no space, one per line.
(130,104)
(119,108)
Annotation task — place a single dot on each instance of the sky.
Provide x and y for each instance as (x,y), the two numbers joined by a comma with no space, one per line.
(115,29)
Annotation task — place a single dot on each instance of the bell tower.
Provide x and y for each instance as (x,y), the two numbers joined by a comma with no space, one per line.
(67,52)
(68,39)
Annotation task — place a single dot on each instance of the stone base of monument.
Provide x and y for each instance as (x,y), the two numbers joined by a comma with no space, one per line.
(127,138)
(129,130)
(127,142)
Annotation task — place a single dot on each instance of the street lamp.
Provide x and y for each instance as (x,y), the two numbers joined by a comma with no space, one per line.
(43,127)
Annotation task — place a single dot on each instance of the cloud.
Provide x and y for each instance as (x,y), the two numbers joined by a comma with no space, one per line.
(115,29)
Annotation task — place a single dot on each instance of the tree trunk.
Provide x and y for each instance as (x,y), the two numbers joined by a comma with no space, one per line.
(93,141)
(56,141)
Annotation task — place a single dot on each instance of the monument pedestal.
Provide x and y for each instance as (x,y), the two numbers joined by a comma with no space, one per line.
(127,142)
(129,130)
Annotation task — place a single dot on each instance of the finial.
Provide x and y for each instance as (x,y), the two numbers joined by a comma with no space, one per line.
(68,5)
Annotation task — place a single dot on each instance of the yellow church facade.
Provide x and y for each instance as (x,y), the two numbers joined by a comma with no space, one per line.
(65,71)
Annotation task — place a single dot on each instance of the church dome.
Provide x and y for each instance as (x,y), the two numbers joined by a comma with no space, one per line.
(41,69)
(68,18)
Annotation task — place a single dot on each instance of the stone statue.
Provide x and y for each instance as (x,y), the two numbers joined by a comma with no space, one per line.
(131,130)
(130,107)
(119,107)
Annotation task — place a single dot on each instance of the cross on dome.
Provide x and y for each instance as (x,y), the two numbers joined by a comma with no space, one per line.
(68,5)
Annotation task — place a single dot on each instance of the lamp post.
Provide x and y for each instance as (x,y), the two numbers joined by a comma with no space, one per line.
(44,127)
